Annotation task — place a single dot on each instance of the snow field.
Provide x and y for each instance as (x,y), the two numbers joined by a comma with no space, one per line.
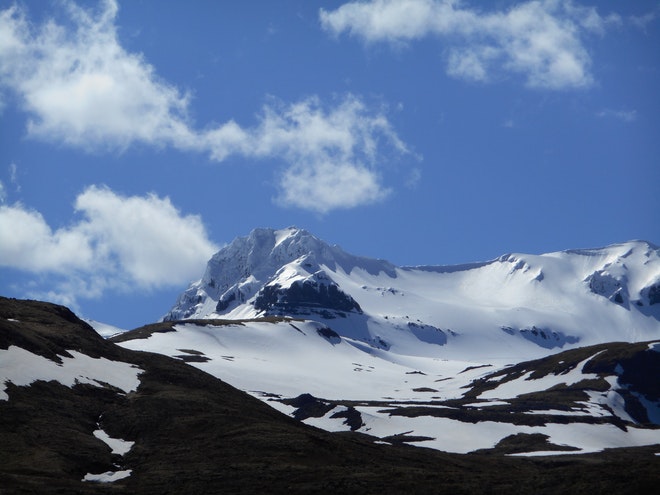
(291,358)
(288,361)
(454,436)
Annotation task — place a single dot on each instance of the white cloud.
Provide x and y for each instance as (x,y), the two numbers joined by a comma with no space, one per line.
(82,88)
(13,177)
(3,193)
(627,116)
(642,21)
(414,178)
(332,152)
(471,63)
(121,243)
(541,40)
(31,245)
(152,242)
(325,186)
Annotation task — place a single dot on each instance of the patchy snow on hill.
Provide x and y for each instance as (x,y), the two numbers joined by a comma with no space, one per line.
(22,367)
(397,397)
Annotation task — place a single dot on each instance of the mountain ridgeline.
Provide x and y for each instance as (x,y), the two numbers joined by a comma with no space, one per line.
(549,301)
(274,272)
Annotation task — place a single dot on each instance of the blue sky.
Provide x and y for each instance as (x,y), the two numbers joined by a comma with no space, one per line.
(136,138)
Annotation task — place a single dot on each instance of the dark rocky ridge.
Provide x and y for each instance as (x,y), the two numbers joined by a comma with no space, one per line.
(238,271)
(303,298)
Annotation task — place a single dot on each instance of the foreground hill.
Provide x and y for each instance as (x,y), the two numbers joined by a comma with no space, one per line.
(76,407)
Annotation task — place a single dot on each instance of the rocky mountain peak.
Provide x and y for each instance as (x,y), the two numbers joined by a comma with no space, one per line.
(551,300)
(281,258)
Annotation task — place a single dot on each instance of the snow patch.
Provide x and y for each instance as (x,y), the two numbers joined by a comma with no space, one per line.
(108,476)
(117,445)
(487,404)
(22,367)
(103,329)
(525,384)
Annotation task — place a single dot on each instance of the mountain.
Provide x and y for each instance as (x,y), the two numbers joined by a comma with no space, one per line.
(255,270)
(560,346)
(581,400)
(295,366)
(516,306)
(79,414)
(103,329)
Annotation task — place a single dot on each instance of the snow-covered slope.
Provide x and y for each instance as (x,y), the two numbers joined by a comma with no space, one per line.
(583,400)
(517,306)
(432,354)
(103,329)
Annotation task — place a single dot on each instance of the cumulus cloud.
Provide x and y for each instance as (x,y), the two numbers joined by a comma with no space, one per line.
(542,40)
(332,152)
(31,245)
(121,243)
(327,185)
(82,88)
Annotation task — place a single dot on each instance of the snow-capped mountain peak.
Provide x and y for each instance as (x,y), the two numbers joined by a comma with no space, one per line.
(432,350)
(518,304)
(266,257)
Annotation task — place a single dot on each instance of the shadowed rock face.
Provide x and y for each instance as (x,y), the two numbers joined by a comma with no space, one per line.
(545,338)
(303,298)
(653,293)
